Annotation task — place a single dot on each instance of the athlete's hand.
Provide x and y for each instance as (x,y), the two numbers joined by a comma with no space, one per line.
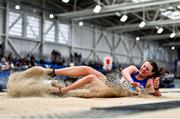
(135,84)
(156,82)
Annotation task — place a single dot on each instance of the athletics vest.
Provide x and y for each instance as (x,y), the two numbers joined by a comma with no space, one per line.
(142,82)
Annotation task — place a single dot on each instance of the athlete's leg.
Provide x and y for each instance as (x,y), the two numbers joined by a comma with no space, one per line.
(78,71)
(82,82)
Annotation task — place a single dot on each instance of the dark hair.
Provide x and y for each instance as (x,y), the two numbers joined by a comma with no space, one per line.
(154,65)
(157,72)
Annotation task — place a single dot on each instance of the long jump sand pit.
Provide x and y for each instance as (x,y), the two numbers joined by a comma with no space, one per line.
(166,106)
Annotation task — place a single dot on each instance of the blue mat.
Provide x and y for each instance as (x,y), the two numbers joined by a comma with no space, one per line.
(4,75)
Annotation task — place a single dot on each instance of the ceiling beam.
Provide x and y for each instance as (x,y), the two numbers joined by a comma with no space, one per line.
(113,13)
(114,8)
(94,16)
(132,27)
(159,37)
(171,44)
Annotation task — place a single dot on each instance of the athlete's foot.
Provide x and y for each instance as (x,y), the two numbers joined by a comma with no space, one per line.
(57,91)
(51,73)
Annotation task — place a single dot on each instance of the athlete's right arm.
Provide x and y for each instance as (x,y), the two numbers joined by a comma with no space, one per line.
(126,72)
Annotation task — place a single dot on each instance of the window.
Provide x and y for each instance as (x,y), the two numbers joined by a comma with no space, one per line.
(49,31)
(63,33)
(33,24)
(15,24)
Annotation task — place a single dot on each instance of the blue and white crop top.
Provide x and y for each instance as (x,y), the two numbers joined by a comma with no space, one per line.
(142,82)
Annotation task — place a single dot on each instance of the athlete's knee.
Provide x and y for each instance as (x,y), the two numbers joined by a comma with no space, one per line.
(91,77)
(87,69)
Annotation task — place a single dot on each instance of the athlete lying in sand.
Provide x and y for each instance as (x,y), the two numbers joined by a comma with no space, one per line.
(33,82)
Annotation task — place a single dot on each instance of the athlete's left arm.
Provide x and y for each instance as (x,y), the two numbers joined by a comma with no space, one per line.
(152,86)
(156,83)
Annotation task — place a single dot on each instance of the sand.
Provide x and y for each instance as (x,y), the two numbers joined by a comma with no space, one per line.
(29,106)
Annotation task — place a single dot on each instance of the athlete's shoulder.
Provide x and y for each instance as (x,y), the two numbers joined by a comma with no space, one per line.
(133,68)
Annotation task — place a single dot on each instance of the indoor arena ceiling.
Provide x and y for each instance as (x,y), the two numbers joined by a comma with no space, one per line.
(155,13)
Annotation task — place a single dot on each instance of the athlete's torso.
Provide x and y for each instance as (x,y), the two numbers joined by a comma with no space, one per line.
(142,82)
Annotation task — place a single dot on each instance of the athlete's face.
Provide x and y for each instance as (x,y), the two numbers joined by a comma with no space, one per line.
(146,69)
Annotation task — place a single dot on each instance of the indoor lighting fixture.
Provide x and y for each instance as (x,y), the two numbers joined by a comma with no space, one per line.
(65,1)
(124,18)
(160,30)
(178,6)
(162,9)
(170,8)
(137,38)
(97,9)
(172,35)
(142,24)
(172,48)
(51,16)
(172,14)
(17,7)
(81,23)
(118,14)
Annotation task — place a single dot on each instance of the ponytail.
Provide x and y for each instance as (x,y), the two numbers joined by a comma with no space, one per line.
(157,73)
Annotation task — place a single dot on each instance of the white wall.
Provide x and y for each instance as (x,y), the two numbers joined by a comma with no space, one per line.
(48,47)
(1,21)
(85,41)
